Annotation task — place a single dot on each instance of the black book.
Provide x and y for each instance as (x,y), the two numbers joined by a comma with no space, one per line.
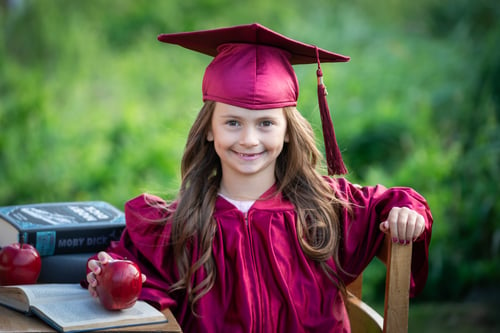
(62,227)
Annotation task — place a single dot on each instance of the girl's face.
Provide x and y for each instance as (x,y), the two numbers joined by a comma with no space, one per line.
(247,141)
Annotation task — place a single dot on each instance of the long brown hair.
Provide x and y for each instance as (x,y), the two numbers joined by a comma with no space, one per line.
(193,227)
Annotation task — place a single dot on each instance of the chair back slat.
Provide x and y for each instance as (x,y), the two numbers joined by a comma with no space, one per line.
(397,288)
(397,259)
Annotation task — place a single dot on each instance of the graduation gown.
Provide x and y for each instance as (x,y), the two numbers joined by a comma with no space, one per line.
(264,282)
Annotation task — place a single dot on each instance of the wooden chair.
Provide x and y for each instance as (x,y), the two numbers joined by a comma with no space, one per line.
(363,318)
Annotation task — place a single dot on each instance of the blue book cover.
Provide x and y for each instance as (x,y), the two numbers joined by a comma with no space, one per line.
(62,227)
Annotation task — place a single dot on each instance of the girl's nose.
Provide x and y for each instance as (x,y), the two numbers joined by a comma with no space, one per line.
(249,137)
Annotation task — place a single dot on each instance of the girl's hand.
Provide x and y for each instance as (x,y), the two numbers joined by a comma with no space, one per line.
(95,269)
(403,224)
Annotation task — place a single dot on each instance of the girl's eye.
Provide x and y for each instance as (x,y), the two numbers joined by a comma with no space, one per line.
(266,123)
(232,123)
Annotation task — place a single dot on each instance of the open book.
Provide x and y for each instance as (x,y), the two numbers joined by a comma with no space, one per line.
(70,308)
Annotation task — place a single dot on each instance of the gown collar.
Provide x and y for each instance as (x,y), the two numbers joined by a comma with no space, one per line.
(269,200)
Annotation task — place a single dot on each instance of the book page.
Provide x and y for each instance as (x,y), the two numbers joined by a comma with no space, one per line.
(86,313)
(48,293)
(20,297)
(14,298)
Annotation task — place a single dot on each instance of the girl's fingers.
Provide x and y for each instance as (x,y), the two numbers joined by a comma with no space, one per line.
(402,220)
(404,224)
(91,279)
(410,227)
(104,257)
(397,224)
(92,284)
(94,266)
(384,227)
(419,226)
(95,269)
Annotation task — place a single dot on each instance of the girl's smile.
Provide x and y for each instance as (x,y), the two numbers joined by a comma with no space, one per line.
(249,157)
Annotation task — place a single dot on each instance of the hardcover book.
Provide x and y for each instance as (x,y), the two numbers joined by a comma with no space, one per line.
(62,227)
(70,308)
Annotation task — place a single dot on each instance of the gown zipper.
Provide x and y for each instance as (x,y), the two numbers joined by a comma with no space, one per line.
(259,310)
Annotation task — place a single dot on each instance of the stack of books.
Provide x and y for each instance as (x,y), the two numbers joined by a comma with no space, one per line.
(65,234)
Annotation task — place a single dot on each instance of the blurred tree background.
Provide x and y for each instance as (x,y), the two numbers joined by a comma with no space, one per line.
(92,107)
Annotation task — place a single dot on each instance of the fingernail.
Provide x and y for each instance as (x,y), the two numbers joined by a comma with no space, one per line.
(394,240)
(402,242)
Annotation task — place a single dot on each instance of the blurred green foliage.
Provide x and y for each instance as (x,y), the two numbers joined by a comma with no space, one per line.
(93,107)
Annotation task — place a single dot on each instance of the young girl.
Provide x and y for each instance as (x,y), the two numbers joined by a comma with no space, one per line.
(257,239)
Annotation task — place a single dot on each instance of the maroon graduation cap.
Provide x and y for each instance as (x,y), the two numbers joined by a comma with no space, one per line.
(252,69)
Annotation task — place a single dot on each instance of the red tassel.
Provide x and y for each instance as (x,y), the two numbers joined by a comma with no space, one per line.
(333,156)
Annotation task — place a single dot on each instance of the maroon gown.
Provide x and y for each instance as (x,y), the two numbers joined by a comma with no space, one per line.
(264,281)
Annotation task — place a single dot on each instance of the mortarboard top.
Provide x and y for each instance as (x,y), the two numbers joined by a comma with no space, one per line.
(252,68)
(207,42)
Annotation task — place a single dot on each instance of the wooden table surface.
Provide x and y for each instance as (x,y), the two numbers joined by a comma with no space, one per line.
(14,321)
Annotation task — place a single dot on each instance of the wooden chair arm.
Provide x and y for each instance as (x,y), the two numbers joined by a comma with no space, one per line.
(362,317)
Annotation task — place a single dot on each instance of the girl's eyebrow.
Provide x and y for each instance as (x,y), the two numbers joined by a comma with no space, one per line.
(270,117)
(236,117)
(265,117)
(230,115)
(227,117)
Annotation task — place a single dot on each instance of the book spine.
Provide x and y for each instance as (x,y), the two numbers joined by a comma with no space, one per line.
(69,241)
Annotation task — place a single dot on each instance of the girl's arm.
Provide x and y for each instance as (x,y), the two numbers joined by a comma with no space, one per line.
(145,242)
(376,210)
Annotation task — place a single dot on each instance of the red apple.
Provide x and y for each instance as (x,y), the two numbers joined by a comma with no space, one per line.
(20,263)
(119,284)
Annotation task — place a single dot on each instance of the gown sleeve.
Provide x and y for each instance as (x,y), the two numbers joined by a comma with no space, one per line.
(362,238)
(145,241)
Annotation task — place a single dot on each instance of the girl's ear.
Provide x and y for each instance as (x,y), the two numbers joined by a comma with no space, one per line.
(287,138)
(210,136)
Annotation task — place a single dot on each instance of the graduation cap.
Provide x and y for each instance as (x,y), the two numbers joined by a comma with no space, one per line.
(252,69)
